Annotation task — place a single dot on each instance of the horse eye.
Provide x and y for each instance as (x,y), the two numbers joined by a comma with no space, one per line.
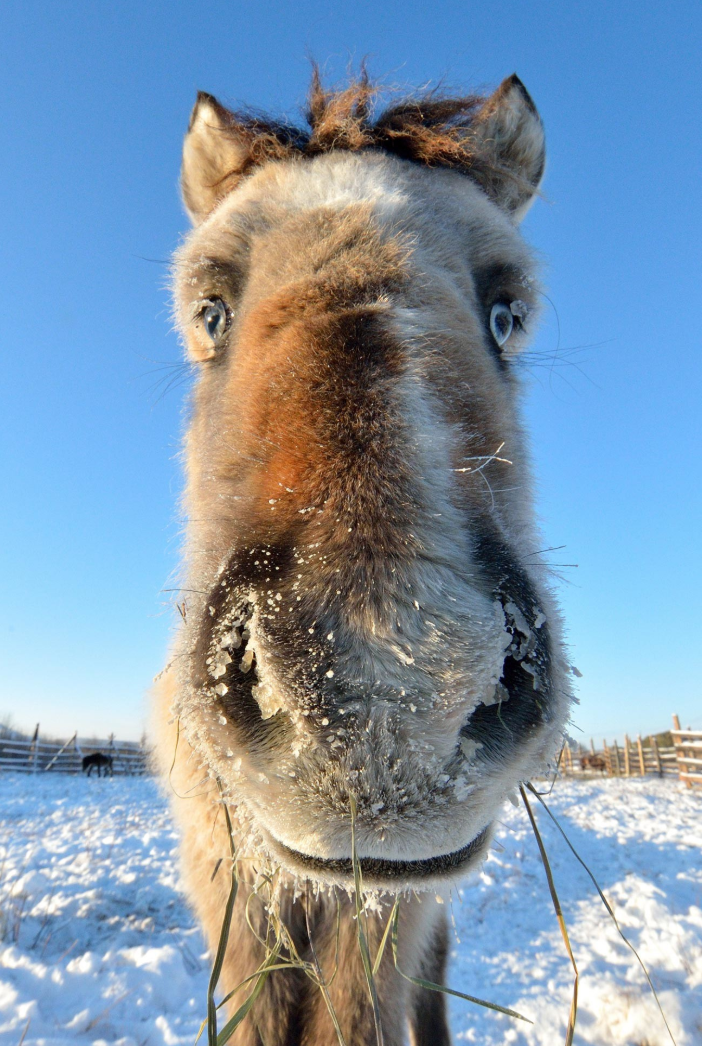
(215,317)
(501,322)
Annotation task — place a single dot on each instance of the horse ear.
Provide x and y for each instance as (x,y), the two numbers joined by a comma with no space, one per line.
(215,153)
(510,136)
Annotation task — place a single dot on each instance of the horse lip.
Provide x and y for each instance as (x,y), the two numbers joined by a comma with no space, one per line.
(384,872)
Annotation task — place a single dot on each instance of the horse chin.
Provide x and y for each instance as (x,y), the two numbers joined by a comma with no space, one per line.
(389,875)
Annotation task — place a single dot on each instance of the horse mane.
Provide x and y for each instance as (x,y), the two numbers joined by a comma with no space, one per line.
(428,129)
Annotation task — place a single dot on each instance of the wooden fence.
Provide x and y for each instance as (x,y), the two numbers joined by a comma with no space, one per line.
(688,746)
(33,755)
(682,759)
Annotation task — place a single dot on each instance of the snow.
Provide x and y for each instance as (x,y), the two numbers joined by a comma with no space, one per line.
(641,839)
(97,944)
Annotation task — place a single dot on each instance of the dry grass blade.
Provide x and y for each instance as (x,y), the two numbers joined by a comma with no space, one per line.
(318,977)
(282,940)
(212,1037)
(175,756)
(556,771)
(570,1031)
(24,1033)
(104,1013)
(284,965)
(263,973)
(264,942)
(219,960)
(362,938)
(433,987)
(173,763)
(386,934)
(605,902)
(336,949)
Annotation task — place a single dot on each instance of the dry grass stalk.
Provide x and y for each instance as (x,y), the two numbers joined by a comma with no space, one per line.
(570,1031)
(607,905)
(212,1037)
(361,919)
(431,986)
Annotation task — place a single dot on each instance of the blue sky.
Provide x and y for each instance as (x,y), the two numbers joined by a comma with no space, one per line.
(96,98)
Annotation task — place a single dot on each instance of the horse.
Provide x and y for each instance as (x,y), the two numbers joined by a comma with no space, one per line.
(99,761)
(593,762)
(370,660)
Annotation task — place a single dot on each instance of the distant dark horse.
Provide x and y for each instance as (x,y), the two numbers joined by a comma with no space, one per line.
(593,762)
(97,759)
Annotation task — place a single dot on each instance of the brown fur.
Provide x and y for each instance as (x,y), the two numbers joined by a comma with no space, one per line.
(360,548)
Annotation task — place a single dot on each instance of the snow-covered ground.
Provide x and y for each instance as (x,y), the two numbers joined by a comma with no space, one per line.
(98,946)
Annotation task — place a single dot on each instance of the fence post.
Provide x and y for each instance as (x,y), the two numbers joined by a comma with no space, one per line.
(79,755)
(642,762)
(34,749)
(607,757)
(61,750)
(616,759)
(111,747)
(657,757)
(627,756)
(142,753)
(680,752)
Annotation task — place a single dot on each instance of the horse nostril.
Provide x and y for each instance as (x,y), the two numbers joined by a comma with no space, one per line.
(229,646)
(232,671)
(523,694)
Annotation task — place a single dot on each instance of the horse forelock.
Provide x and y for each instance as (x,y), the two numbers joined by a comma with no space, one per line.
(431,129)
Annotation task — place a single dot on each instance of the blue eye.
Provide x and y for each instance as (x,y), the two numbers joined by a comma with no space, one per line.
(501,322)
(215,317)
